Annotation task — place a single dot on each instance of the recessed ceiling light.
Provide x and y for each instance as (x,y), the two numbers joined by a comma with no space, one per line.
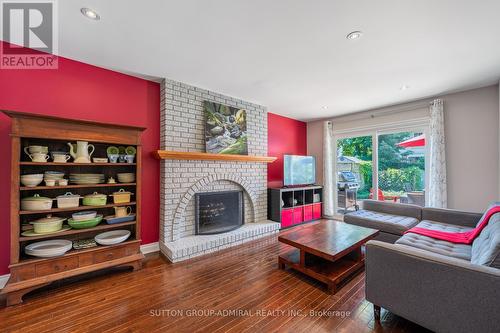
(91,14)
(404,87)
(325,107)
(354,35)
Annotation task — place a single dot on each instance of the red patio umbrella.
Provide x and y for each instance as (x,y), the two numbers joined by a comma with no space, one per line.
(418,141)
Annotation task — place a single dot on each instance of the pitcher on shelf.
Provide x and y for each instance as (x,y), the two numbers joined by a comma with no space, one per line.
(82,153)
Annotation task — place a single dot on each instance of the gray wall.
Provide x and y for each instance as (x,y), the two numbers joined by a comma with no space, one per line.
(472,145)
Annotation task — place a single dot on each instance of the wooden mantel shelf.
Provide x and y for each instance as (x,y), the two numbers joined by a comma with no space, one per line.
(178,155)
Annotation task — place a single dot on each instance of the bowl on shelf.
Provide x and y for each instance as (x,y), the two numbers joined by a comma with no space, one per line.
(94,199)
(31,180)
(127,177)
(36,150)
(47,224)
(112,237)
(100,160)
(53,175)
(84,216)
(49,248)
(90,223)
(36,202)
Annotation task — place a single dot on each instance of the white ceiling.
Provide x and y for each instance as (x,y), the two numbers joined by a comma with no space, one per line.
(292,55)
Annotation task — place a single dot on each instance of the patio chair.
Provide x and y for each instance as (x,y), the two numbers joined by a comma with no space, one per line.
(382,197)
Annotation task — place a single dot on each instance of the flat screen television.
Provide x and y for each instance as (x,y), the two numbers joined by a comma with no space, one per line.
(299,170)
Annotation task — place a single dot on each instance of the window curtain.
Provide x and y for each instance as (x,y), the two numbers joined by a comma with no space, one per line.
(329,179)
(437,172)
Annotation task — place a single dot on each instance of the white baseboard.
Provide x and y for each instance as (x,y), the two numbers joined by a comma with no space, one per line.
(3,280)
(150,248)
(146,248)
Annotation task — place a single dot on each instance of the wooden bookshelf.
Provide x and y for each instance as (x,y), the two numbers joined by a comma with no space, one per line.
(27,272)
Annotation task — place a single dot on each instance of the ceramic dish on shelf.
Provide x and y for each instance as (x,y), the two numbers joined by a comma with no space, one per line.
(31,180)
(68,200)
(100,159)
(112,237)
(85,224)
(84,216)
(49,248)
(121,196)
(36,202)
(48,224)
(36,150)
(112,219)
(32,233)
(86,178)
(53,175)
(94,199)
(126,177)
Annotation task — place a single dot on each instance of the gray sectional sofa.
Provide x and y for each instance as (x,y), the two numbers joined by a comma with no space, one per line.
(439,285)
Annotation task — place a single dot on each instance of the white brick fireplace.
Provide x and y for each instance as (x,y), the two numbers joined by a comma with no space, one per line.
(182,128)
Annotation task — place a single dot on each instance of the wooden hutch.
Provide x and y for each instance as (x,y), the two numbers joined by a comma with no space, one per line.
(28,273)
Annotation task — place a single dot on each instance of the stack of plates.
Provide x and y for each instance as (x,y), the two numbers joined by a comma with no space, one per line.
(112,237)
(49,248)
(86,178)
(126,177)
(53,175)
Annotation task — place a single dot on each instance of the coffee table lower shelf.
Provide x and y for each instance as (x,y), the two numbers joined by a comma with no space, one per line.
(332,273)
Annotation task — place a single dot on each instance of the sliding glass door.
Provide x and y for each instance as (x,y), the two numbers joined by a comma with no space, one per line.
(401,167)
(381,164)
(354,171)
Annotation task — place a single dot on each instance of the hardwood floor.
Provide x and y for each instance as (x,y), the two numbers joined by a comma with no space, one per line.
(239,289)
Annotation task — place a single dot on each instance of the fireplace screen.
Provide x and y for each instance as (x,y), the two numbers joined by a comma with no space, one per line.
(218,212)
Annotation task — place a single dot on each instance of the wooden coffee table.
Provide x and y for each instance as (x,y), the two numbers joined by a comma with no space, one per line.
(328,251)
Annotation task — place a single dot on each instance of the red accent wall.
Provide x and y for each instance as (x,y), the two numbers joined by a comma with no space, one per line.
(286,136)
(78,90)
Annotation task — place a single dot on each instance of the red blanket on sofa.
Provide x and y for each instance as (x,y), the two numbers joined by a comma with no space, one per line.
(458,237)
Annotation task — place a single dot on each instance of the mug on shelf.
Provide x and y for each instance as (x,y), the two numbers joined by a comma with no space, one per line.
(123,211)
(39,157)
(58,158)
(50,182)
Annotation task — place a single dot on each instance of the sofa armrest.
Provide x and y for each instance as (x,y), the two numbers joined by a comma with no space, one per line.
(451,216)
(440,293)
(393,208)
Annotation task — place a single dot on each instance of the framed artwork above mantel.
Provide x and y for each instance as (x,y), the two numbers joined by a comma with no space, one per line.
(225,129)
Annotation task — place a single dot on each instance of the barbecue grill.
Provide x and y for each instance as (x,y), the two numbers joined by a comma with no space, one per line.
(348,186)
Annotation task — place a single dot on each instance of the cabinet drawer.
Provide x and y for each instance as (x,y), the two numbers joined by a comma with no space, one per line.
(286,218)
(317,211)
(298,216)
(22,273)
(56,266)
(110,254)
(308,213)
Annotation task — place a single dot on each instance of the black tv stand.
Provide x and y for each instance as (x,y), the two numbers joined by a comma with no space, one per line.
(294,205)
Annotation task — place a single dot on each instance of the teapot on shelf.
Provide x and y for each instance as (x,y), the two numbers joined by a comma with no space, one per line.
(83,152)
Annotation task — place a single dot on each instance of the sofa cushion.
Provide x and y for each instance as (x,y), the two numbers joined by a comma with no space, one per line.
(459,251)
(393,208)
(393,224)
(493,204)
(440,226)
(486,247)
